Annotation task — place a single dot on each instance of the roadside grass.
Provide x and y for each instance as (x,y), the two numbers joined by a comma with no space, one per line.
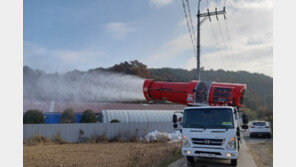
(174,157)
(38,139)
(41,140)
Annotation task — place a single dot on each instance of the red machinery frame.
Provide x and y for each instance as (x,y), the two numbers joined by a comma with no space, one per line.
(195,92)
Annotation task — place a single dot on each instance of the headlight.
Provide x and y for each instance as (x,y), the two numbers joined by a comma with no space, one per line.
(185,142)
(231,144)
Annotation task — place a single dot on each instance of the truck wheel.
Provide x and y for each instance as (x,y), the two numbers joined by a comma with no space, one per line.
(190,159)
(233,162)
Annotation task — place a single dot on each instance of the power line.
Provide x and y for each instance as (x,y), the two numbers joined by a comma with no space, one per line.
(192,27)
(189,29)
(225,51)
(234,58)
(222,49)
(214,34)
(228,50)
(223,41)
(230,55)
(218,45)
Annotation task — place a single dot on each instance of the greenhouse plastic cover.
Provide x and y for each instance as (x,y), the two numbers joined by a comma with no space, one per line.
(139,115)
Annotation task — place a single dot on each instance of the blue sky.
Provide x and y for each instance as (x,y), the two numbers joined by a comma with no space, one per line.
(63,35)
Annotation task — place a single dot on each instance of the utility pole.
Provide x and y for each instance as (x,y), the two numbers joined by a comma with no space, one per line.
(204,16)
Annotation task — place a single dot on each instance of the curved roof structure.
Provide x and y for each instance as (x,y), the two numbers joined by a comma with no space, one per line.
(138,115)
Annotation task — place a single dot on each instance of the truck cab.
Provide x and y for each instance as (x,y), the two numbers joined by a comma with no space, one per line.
(210,132)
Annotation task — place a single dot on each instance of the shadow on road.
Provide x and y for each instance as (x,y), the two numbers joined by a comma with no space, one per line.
(205,162)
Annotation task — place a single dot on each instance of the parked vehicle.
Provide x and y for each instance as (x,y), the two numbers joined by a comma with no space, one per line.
(211,131)
(259,128)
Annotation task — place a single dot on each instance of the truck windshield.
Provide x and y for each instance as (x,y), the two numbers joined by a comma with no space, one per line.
(212,118)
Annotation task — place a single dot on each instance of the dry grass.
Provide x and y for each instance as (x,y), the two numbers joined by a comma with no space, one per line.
(101,154)
(59,140)
(97,138)
(38,140)
(41,140)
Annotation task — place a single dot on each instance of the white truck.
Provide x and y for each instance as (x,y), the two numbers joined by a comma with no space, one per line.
(211,132)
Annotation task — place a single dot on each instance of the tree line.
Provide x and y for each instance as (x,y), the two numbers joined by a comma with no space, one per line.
(68,116)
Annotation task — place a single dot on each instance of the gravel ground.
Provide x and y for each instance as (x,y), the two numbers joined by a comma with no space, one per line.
(99,154)
(261,150)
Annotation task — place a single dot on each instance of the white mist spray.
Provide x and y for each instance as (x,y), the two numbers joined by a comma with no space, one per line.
(95,86)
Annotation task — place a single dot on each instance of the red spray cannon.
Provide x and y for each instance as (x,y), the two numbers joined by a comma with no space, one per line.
(195,92)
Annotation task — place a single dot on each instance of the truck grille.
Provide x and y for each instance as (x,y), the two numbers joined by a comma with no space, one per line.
(202,141)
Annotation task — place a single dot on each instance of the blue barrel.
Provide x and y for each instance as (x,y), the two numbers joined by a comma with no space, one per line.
(78,117)
(52,118)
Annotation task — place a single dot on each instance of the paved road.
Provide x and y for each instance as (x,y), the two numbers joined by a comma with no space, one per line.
(245,160)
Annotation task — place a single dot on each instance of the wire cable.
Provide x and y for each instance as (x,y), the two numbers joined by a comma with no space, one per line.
(189,29)
(192,27)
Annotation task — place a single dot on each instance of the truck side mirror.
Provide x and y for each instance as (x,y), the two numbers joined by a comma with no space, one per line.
(175,119)
(237,132)
(245,126)
(245,119)
(175,125)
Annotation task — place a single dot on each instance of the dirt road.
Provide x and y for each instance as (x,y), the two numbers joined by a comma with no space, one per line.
(261,149)
(245,160)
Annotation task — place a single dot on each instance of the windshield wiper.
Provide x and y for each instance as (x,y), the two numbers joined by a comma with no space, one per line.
(224,126)
(197,126)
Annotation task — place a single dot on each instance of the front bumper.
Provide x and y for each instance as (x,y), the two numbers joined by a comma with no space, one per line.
(260,133)
(209,153)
